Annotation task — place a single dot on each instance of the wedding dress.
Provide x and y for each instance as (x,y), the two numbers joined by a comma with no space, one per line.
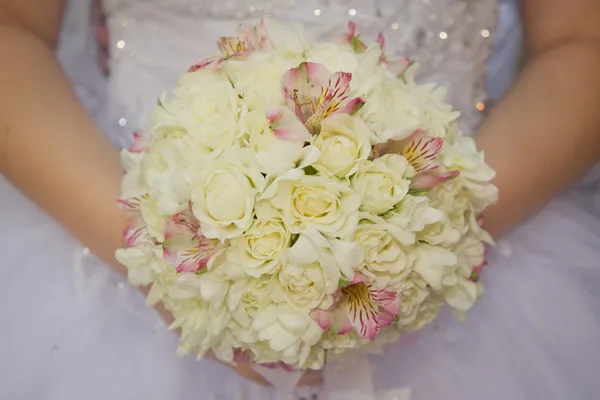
(71,329)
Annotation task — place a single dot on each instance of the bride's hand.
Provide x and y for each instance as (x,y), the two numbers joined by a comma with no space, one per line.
(311,378)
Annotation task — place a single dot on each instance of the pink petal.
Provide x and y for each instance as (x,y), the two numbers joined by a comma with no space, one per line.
(341,322)
(385,319)
(358,278)
(242,356)
(387,300)
(323,318)
(286,125)
(399,66)
(381,40)
(427,181)
(131,204)
(302,85)
(362,311)
(352,38)
(352,107)
(187,250)
(422,151)
(211,63)
(136,234)
(141,143)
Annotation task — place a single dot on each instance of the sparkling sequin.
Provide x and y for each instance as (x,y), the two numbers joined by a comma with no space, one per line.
(485,33)
(443,35)
(122,122)
(121,44)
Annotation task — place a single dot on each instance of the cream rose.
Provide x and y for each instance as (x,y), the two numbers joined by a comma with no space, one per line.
(224,198)
(426,313)
(303,287)
(311,201)
(259,251)
(343,143)
(387,250)
(434,264)
(382,183)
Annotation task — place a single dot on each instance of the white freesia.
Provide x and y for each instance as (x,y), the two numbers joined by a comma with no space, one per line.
(273,155)
(434,264)
(246,298)
(283,327)
(253,78)
(334,57)
(387,250)
(338,258)
(312,201)
(414,213)
(205,105)
(223,200)
(343,143)
(475,174)
(383,183)
(413,292)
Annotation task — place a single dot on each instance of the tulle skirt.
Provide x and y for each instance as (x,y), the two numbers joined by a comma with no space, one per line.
(72,329)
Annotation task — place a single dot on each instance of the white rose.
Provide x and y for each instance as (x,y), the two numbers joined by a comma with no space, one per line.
(303,287)
(412,292)
(387,250)
(414,213)
(259,251)
(382,183)
(475,174)
(334,57)
(273,155)
(343,143)
(258,78)
(246,298)
(311,201)
(224,198)
(338,258)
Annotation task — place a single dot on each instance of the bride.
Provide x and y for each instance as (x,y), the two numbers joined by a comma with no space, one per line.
(72,328)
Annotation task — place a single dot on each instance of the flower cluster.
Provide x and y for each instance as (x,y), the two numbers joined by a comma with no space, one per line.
(293,198)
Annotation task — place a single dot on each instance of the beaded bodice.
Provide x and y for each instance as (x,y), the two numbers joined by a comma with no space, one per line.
(153,41)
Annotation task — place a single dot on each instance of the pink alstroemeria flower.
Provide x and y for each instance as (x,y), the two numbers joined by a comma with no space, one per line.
(286,125)
(352,37)
(476,273)
(397,66)
(361,307)
(211,63)
(314,94)
(422,153)
(136,232)
(141,143)
(185,247)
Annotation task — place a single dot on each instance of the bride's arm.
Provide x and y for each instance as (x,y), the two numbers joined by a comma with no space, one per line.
(545,134)
(49,147)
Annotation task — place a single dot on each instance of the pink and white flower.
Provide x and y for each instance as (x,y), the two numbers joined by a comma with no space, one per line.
(314,93)
(136,232)
(361,307)
(286,125)
(185,247)
(352,37)
(422,153)
(207,63)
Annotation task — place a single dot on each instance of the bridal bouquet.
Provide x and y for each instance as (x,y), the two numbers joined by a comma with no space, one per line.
(295,200)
